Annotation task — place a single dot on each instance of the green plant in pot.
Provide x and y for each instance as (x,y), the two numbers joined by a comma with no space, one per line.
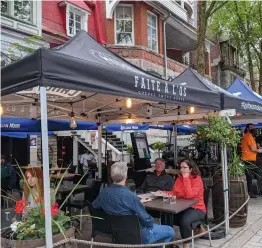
(159,146)
(219,130)
(131,151)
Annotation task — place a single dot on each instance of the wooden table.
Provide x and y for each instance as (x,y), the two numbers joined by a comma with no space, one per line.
(68,176)
(166,207)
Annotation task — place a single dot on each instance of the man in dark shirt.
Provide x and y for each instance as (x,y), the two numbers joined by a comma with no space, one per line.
(158,180)
(119,200)
(11,172)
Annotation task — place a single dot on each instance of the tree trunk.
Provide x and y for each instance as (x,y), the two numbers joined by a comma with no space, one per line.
(201,34)
(260,70)
(250,66)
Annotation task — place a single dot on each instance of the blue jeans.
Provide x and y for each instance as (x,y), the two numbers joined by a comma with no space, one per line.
(156,233)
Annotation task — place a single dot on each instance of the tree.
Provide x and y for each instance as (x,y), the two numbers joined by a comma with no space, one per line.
(205,9)
(241,22)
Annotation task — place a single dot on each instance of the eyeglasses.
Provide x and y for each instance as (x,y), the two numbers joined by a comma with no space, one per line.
(184,167)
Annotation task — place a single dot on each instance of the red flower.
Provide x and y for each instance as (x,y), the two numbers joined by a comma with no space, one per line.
(20,206)
(54,209)
(232,131)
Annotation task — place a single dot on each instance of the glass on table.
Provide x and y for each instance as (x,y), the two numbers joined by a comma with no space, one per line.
(165,198)
(172,199)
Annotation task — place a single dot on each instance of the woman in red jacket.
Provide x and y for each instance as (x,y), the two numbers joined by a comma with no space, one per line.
(189,185)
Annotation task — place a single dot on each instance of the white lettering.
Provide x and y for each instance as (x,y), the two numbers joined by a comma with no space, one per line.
(166,88)
(153,84)
(143,85)
(136,81)
(174,92)
(158,86)
(148,84)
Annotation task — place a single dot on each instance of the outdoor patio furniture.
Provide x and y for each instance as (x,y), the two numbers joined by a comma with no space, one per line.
(197,223)
(100,225)
(125,229)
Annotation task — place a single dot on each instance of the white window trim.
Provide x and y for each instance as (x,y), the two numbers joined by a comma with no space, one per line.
(83,13)
(78,11)
(157,48)
(133,30)
(33,27)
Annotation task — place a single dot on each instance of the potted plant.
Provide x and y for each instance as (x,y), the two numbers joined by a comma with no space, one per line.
(130,150)
(159,146)
(220,131)
(28,231)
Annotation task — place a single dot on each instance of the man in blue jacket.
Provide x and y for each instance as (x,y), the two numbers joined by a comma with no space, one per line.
(117,199)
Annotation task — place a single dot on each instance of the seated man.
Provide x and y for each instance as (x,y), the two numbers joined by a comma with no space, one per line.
(119,200)
(158,180)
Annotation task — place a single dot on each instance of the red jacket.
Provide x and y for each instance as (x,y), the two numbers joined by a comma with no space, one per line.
(190,188)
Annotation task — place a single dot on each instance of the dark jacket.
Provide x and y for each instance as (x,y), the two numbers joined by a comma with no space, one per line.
(120,200)
(155,183)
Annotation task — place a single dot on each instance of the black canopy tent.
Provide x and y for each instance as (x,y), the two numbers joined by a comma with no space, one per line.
(84,65)
(193,79)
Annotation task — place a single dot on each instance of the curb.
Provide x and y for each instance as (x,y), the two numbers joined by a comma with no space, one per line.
(243,235)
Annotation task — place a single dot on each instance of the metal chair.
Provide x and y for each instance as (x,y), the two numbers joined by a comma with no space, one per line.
(197,223)
(100,225)
(89,196)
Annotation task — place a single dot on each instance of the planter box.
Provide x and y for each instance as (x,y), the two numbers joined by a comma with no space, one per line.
(70,233)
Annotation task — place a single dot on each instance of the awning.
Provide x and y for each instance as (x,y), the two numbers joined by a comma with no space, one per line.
(22,135)
(126,127)
(82,64)
(241,89)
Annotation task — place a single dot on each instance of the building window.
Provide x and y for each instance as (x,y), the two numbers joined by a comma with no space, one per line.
(152,32)
(76,20)
(19,9)
(124,31)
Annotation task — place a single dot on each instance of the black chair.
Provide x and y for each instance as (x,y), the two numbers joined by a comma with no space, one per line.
(99,226)
(89,196)
(125,229)
(197,223)
(4,191)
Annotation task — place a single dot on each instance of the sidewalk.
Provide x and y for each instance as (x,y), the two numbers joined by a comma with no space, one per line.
(255,241)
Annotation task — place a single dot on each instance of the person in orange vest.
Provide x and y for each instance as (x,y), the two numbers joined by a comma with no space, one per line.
(250,150)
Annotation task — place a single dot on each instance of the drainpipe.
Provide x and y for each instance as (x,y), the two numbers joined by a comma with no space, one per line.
(165,55)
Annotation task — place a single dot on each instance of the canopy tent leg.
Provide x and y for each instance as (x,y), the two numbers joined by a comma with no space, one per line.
(225,186)
(122,143)
(75,153)
(45,158)
(175,143)
(99,150)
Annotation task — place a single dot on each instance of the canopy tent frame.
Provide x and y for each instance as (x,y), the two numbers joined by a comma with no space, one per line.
(83,65)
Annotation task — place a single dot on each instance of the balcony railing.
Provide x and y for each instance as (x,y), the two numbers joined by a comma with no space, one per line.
(229,64)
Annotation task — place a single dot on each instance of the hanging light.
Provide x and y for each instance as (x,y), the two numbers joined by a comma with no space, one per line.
(129,121)
(129,103)
(1,110)
(72,121)
(192,110)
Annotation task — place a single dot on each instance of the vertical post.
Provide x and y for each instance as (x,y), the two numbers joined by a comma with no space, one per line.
(45,158)
(226,191)
(165,55)
(75,153)
(175,143)
(106,149)
(99,148)
(225,187)
(122,143)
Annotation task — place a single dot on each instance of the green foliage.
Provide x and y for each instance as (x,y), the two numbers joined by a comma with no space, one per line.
(159,146)
(220,131)
(130,149)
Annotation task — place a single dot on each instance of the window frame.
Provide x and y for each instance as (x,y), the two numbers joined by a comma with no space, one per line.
(11,11)
(83,15)
(157,48)
(133,20)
